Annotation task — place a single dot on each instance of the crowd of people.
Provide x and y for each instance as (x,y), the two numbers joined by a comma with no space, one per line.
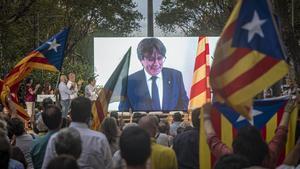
(148,142)
(61,137)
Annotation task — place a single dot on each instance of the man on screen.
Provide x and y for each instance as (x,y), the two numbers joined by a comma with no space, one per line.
(154,88)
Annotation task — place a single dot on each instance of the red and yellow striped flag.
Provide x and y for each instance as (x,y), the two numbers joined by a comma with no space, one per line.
(200,90)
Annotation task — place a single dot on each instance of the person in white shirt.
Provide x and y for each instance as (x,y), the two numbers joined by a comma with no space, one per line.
(95,148)
(73,85)
(65,96)
(90,90)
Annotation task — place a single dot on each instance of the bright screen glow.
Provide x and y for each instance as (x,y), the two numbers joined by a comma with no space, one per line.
(180,55)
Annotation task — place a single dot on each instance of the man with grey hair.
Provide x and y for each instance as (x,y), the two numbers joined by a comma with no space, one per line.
(154,88)
(68,142)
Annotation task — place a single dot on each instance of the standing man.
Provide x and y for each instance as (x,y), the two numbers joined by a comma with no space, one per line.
(65,96)
(95,148)
(52,118)
(154,88)
(90,89)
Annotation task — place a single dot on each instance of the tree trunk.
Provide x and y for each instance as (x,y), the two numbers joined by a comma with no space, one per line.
(283,10)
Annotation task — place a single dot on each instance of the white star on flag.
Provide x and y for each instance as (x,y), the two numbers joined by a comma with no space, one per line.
(253,113)
(53,45)
(254,26)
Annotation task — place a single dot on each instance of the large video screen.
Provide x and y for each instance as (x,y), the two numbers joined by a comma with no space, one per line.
(160,71)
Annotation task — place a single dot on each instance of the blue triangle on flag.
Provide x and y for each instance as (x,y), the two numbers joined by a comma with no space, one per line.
(53,49)
(263,111)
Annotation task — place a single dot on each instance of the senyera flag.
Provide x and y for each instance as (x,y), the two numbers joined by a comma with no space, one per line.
(113,91)
(249,56)
(267,114)
(49,56)
(200,90)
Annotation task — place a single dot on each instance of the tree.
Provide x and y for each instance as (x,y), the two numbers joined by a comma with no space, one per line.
(22,29)
(205,17)
(200,17)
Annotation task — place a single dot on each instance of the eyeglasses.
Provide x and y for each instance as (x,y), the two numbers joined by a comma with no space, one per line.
(160,59)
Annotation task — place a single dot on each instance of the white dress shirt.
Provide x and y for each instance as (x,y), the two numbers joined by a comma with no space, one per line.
(64,91)
(95,149)
(74,89)
(90,92)
(159,83)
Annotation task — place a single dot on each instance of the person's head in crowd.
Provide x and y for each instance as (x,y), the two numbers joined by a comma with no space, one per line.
(177,117)
(156,118)
(196,118)
(149,123)
(137,116)
(92,81)
(81,108)
(63,78)
(247,138)
(18,126)
(114,114)
(46,102)
(110,129)
(164,127)
(17,154)
(151,53)
(129,125)
(4,150)
(29,81)
(68,141)
(47,88)
(232,161)
(132,151)
(52,117)
(63,162)
(71,77)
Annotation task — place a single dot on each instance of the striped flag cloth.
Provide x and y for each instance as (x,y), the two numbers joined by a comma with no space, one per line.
(267,116)
(248,56)
(113,91)
(49,56)
(200,90)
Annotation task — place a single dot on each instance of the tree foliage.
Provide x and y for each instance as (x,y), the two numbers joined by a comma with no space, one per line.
(25,24)
(194,17)
(208,17)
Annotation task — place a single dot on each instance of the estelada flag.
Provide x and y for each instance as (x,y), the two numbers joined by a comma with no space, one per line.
(249,56)
(113,91)
(49,56)
(267,114)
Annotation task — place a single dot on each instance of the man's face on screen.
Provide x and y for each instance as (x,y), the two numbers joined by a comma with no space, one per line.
(153,62)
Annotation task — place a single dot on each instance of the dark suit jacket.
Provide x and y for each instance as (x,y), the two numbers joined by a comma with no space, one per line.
(138,96)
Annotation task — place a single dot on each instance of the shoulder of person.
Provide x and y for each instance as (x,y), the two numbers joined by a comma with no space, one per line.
(138,73)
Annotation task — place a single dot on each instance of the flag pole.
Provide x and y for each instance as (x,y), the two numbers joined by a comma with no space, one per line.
(57,90)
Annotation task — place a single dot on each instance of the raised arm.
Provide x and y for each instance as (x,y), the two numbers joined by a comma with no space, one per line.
(216,146)
(278,142)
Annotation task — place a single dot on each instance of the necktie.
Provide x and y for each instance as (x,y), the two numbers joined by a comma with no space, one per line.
(155,95)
